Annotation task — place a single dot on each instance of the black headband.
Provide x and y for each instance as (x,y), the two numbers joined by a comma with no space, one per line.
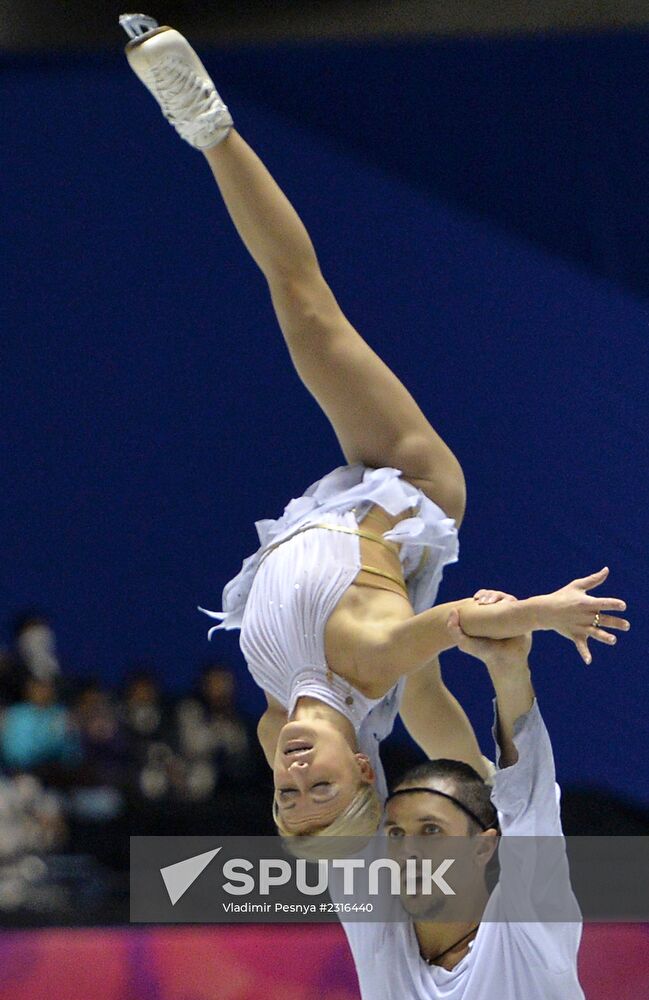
(432,791)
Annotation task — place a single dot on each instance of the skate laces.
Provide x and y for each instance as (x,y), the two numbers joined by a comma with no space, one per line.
(185,96)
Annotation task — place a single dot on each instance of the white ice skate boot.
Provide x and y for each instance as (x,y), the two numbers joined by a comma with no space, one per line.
(167,65)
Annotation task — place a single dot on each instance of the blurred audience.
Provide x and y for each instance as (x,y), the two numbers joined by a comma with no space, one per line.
(213,738)
(144,715)
(83,767)
(38,734)
(32,828)
(103,741)
(35,645)
(100,779)
(154,770)
(32,653)
(31,817)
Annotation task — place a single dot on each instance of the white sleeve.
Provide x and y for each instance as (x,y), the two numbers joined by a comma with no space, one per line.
(363,936)
(534,877)
(526,794)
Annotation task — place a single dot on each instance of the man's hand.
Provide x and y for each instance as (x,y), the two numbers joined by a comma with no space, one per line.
(492,596)
(496,654)
(506,661)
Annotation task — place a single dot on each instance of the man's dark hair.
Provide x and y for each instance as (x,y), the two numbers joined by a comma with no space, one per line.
(468,787)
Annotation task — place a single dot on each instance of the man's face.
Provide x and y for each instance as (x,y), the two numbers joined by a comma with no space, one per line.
(418,826)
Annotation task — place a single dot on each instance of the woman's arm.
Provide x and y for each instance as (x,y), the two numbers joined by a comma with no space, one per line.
(404,647)
(269,726)
(436,720)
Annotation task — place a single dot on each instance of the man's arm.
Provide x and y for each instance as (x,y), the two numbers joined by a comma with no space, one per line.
(534,881)
(515,698)
(524,790)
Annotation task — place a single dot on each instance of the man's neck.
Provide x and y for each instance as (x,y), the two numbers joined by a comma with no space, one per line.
(446,944)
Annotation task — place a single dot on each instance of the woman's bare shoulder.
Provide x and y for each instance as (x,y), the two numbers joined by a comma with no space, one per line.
(356,647)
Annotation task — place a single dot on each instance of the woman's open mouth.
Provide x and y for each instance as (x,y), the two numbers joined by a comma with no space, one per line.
(296,747)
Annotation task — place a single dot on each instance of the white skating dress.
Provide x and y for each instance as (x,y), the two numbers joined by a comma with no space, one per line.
(283,596)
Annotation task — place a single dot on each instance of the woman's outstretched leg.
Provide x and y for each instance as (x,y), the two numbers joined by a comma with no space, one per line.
(375,418)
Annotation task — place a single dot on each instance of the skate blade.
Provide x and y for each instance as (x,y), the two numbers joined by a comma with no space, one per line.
(139,27)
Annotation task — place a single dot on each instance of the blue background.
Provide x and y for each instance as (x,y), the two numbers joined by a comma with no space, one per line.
(480,209)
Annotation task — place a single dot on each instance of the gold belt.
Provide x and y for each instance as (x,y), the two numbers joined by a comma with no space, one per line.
(347,531)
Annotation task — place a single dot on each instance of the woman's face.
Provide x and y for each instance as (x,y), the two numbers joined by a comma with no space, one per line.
(316,774)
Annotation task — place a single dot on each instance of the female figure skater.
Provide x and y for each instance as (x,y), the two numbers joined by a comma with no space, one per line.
(333,606)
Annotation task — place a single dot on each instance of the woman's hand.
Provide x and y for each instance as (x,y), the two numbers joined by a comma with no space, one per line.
(573,613)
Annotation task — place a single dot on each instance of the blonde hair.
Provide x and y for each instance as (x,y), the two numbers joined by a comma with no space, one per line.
(346,835)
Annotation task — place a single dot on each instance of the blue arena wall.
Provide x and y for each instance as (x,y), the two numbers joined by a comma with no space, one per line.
(150,413)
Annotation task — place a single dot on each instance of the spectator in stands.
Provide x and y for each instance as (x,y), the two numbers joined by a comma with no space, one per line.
(35,644)
(32,832)
(104,745)
(143,712)
(32,654)
(154,768)
(38,734)
(212,736)
(31,817)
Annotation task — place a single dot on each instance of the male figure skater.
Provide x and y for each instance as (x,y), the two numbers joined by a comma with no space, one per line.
(503,954)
